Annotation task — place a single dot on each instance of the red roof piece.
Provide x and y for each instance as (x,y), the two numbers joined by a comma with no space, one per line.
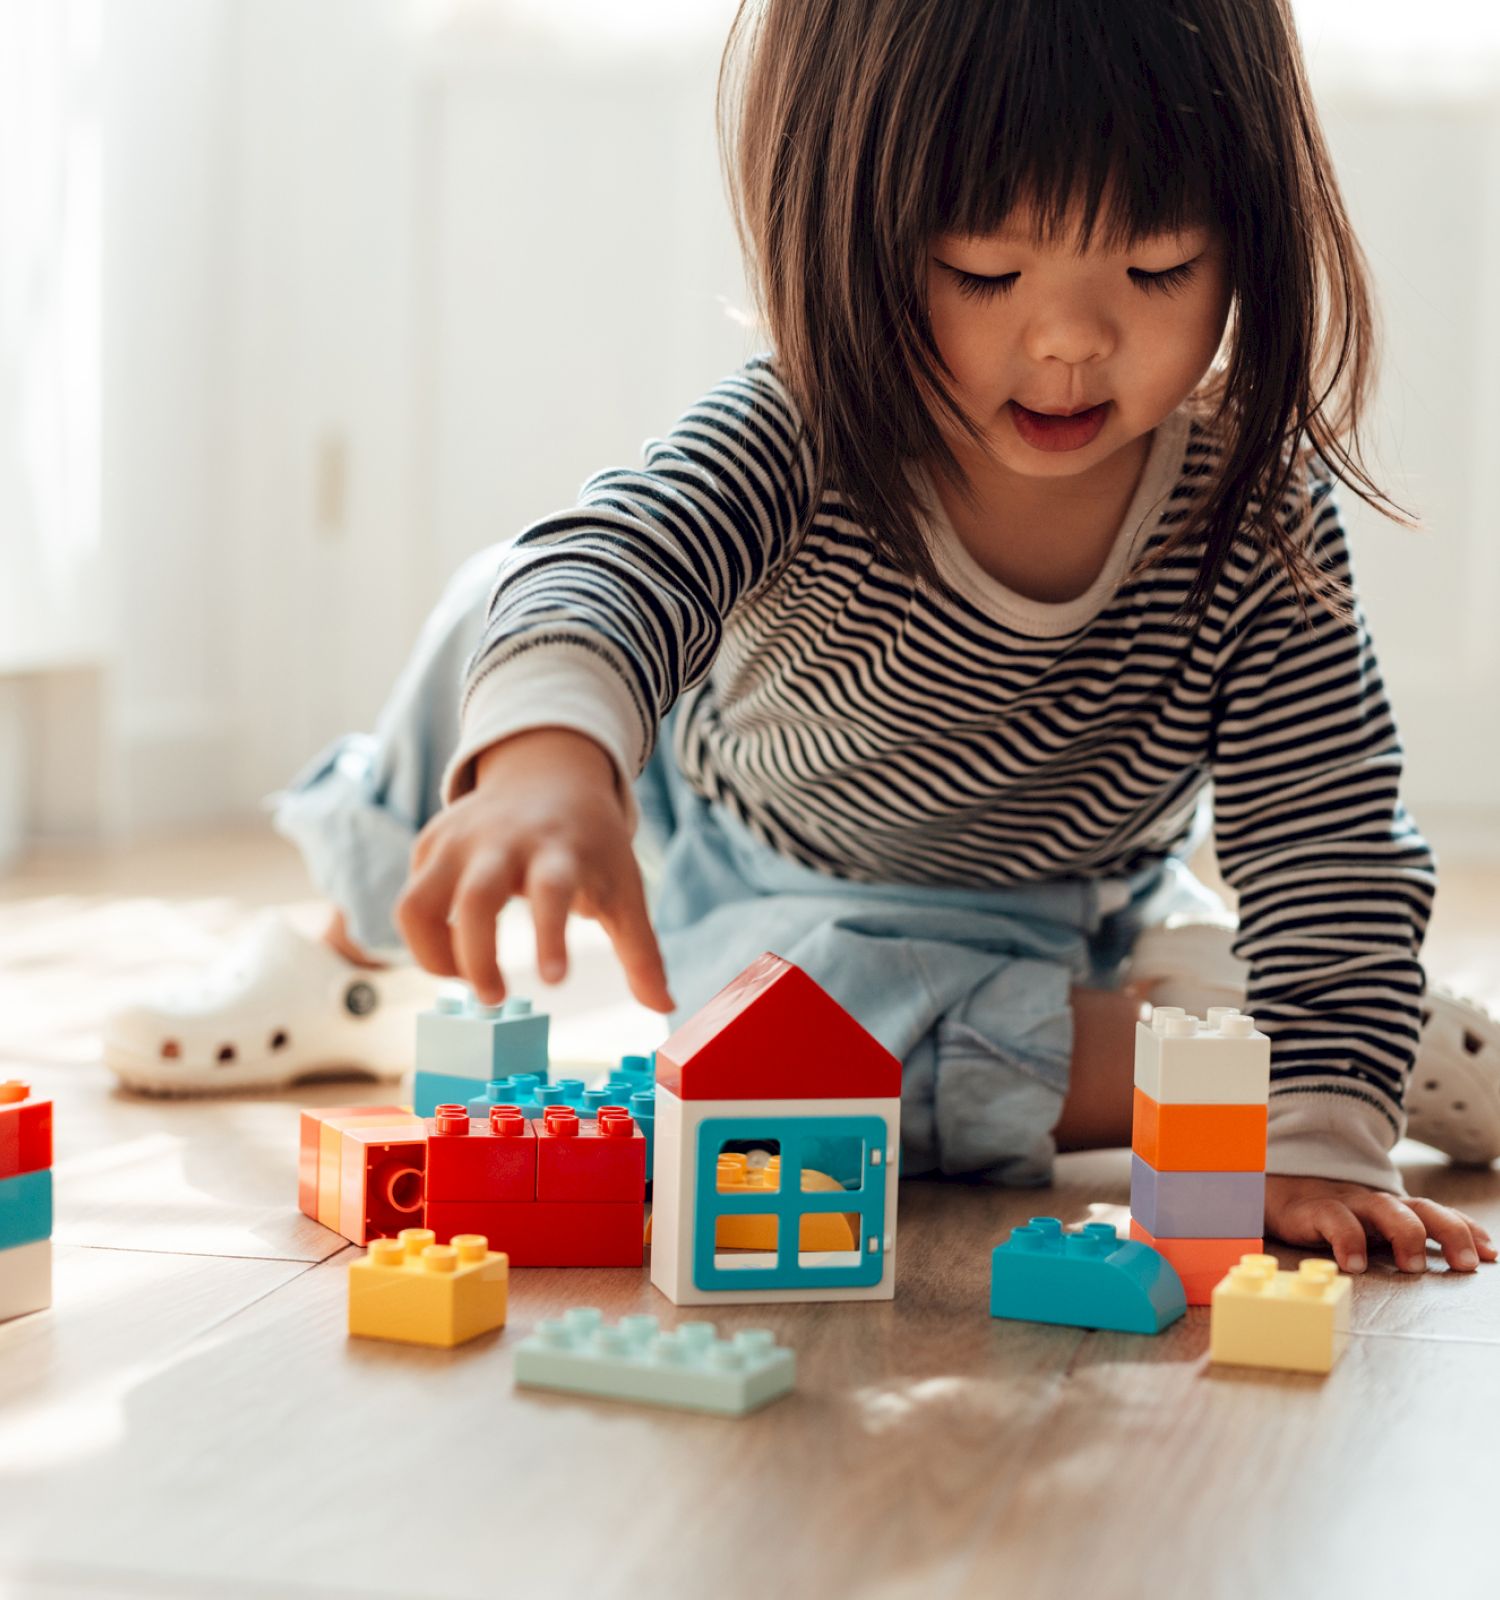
(773,1034)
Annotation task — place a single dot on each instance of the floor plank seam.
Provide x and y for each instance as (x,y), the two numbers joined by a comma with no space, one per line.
(200,1255)
(1423,1338)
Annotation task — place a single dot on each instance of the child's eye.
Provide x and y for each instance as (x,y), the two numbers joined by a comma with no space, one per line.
(975,286)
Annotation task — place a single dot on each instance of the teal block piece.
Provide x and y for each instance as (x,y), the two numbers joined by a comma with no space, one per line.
(690,1368)
(638,1071)
(429,1090)
(791,1267)
(25,1208)
(459,1038)
(1088,1279)
(519,1090)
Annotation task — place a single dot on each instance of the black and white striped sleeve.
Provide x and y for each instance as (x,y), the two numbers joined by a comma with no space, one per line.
(604,613)
(1335,881)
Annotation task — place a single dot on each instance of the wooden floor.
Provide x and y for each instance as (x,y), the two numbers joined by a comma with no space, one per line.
(191,1420)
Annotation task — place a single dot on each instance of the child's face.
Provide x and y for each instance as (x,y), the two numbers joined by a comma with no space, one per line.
(1063,331)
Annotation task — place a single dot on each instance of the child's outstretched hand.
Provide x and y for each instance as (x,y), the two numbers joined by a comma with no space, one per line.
(1312,1211)
(543,820)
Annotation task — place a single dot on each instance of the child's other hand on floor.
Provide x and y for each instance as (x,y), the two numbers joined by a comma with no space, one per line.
(1314,1211)
(543,820)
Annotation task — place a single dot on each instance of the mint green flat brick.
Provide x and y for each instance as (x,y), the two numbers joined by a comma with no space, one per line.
(690,1368)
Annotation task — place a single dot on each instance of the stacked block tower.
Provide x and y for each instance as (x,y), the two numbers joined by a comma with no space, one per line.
(1198,1162)
(558,1191)
(25,1201)
(462,1046)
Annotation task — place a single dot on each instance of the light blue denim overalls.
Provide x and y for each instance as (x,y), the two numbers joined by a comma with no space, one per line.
(968,988)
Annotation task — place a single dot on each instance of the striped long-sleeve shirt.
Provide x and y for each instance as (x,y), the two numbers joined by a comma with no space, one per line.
(870,727)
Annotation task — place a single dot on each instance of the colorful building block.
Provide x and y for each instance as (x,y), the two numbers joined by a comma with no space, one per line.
(1290,1321)
(25,1130)
(381,1174)
(600,1158)
(25,1208)
(558,1233)
(1213,1138)
(1197,1205)
(1088,1279)
(1221,1061)
(689,1368)
(416,1291)
(518,1090)
(562,1192)
(1200,1263)
(460,1038)
(319,1129)
(472,1160)
(25,1279)
(775,1063)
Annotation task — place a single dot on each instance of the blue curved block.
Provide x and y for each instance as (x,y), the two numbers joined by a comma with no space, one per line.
(1088,1279)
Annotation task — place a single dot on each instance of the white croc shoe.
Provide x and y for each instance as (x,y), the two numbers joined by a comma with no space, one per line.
(278,1007)
(1453,1099)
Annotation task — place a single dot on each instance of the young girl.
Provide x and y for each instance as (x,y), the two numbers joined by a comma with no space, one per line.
(918,642)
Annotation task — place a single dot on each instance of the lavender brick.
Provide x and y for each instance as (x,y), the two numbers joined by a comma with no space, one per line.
(1197,1205)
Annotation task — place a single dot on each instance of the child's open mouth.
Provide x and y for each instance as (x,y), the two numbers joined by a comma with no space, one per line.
(1058,433)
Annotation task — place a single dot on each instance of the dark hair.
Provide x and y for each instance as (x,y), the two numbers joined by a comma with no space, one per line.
(861,129)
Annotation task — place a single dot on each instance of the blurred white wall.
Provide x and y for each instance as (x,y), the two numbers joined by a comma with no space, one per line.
(382,281)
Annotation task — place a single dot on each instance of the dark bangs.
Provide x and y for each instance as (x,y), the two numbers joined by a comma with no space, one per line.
(855,131)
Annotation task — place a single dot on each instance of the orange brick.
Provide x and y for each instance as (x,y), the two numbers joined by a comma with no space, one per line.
(1200,1263)
(1199,1138)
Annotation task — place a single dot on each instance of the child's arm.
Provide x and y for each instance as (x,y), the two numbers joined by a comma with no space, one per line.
(602,615)
(1335,888)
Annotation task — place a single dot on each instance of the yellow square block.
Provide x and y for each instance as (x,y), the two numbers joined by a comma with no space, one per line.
(415,1290)
(1290,1321)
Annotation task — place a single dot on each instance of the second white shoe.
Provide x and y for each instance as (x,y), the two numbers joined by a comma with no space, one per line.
(279,1007)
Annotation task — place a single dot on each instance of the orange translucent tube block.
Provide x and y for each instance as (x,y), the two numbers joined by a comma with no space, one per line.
(1175,1138)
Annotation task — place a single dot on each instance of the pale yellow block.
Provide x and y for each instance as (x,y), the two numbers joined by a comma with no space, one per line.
(416,1291)
(1289,1321)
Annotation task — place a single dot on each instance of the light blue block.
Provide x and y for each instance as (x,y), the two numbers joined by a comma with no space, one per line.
(25,1208)
(1088,1279)
(689,1368)
(459,1038)
(1197,1205)
(429,1090)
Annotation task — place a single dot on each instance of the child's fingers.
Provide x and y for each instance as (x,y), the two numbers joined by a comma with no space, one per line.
(1453,1232)
(551,883)
(421,913)
(488,882)
(1395,1220)
(1345,1233)
(628,924)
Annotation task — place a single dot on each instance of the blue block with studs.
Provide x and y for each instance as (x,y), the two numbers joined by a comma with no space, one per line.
(1088,1279)
(459,1038)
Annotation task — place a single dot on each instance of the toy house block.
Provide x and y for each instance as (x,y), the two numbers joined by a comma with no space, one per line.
(25,1279)
(602,1158)
(774,1063)
(460,1038)
(1088,1279)
(416,1291)
(690,1368)
(472,1160)
(25,1208)
(1197,1205)
(1200,1263)
(1291,1321)
(25,1130)
(380,1181)
(330,1121)
(1224,1061)
(1212,1138)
